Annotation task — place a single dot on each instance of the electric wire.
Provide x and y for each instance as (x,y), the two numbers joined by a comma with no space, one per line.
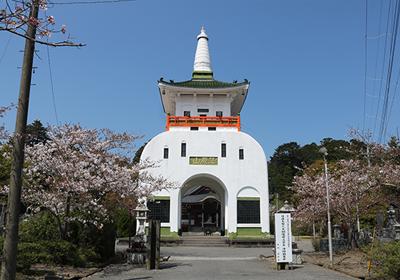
(365,60)
(377,59)
(383,68)
(9,39)
(51,81)
(90,2)
(385,115)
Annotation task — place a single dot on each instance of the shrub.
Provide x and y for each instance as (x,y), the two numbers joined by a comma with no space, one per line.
(42,227)
(30,254)
(102,241)
(385,259)
(316,243)
(66,253)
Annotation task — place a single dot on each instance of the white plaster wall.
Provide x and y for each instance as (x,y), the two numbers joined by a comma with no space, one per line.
(234,174)
(214,103)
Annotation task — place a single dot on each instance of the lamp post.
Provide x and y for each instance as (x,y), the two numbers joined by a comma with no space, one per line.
(324,153)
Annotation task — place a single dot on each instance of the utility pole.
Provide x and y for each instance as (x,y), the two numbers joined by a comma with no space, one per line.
(9,258)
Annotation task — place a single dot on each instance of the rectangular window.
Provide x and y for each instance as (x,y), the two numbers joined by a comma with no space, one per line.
(218,113)
(165,152)
(223,150)
(183,149)
(159,210)
(241,154)
(248,211)
(186,113)
(202,110)
(212,129)
(194,128)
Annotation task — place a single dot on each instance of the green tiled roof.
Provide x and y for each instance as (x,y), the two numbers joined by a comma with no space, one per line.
(208,83)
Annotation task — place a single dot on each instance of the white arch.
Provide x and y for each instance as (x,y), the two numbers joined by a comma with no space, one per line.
(248,192)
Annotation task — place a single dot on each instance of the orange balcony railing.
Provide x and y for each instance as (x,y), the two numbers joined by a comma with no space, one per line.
(203,121)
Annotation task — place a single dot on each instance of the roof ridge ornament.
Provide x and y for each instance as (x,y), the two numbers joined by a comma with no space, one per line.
(202,60)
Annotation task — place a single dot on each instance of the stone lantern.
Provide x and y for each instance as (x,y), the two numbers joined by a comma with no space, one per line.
(138,252)
(141,215)
(287,208)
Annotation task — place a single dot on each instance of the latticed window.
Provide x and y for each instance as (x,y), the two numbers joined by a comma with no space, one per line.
(248,211)
(159,210)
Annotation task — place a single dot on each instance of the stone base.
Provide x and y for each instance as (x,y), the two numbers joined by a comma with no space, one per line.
(296,256)
(137,258)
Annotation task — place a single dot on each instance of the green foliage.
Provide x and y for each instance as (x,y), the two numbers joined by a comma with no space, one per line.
(55,252)
(36,133)
(101,241)
(288,156)
(5,164)
(42,227)
(66,253)
(385,259)
(138,153)
(29,254)
(123,226)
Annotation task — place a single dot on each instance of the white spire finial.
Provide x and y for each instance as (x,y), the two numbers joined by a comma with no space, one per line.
(202,61)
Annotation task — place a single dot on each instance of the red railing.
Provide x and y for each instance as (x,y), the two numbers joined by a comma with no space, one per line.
(203,121)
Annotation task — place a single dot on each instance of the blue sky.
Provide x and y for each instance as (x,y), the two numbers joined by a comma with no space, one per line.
(305,61)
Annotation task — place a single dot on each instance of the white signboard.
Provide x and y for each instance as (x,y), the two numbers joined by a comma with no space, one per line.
(283,238)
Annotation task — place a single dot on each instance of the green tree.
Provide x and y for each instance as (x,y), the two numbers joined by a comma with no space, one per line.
(336,149)
(36,133)
(138,153)
(282,167)
(5,164)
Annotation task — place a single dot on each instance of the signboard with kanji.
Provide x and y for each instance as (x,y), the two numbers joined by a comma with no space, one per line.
(203,161)
(283,238)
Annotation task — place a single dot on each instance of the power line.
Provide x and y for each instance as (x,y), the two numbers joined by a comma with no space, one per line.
(9,39)
(90,2)
(51,81)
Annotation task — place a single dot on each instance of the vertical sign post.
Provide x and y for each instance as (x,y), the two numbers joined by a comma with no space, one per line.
(283,240)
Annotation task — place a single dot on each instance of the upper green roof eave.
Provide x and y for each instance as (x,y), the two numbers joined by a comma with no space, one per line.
(204,83)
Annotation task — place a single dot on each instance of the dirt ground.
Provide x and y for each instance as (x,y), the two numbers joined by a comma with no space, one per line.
(348,262)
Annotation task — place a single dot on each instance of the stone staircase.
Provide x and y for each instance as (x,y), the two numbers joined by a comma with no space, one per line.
(203,241)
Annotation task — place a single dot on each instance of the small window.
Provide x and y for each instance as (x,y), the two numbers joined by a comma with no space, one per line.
(202,110)
(186,113)
(165,152)
(219,114)
(212,129)
(241,154)
(183,149)
(223,150)
(194,128)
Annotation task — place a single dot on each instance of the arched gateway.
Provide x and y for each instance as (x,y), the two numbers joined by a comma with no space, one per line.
(203,204)
(222,171)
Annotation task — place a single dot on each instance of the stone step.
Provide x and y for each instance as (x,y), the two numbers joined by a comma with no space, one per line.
(203,241)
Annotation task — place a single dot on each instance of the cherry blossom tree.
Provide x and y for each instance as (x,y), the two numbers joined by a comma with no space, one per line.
(357,186)
(15,18)
(3,132)
(73,173)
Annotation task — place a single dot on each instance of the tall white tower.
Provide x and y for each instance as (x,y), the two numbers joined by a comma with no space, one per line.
(222,171)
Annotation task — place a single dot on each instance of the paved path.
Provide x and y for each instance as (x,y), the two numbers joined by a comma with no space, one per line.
(216,263)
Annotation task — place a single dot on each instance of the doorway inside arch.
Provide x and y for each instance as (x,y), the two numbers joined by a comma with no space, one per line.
(201,210)
(202,206)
